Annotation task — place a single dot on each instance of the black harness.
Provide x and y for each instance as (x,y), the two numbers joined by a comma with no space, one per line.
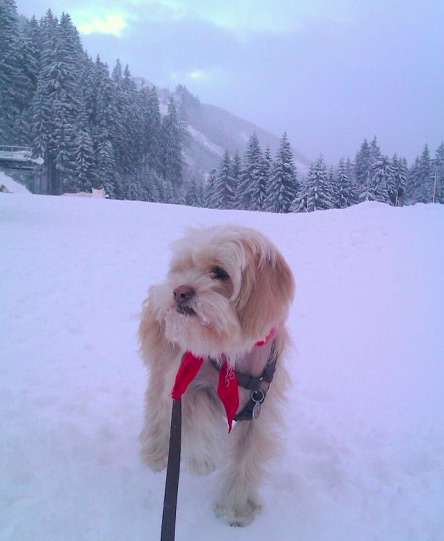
(259,387)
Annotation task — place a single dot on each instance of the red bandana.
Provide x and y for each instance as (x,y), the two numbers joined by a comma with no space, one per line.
(228,388)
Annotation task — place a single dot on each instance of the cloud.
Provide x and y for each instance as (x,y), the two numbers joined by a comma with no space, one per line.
(111,23)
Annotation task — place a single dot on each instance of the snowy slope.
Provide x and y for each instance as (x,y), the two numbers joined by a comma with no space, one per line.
(364,453)
(11,185)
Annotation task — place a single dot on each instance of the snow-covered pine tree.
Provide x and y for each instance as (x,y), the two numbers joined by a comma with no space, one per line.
(379,181)
(422,178)
(223,187)
(195,194)
(132,122)
(251,188)
(171,144)
(438,175)
(13,82)
(155,186)
(351,174)
(267,166)
(67,99)
(209,192)
(410,194)
(318,188)
(28,55)
(398,181)
(126,134)
(42,107)
(151,123)
(236,171)
(58,102)
(363,162)
(300,202)
(283,185)
(85,173)
(344,192)
(106,166)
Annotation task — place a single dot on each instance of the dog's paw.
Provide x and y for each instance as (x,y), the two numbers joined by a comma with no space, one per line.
(238,516)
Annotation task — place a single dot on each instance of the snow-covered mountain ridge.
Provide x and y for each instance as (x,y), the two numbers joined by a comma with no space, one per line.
(212,130)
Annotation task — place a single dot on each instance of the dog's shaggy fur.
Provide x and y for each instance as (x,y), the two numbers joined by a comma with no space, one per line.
(227,288)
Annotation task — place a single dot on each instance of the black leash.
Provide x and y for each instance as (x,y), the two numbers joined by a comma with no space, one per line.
(168,531)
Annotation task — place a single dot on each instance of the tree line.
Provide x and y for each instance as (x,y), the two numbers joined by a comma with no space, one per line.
(95,128)
(259,182)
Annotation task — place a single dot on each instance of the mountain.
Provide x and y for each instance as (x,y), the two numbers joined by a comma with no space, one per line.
(211,130)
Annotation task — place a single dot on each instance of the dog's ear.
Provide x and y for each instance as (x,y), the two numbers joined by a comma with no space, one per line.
(266,292)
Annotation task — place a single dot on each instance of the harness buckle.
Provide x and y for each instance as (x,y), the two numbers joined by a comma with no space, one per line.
(257,397)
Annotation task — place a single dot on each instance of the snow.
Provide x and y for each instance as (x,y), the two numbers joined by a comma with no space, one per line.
(204,141)
(15,153)
(12,185)
(364,447)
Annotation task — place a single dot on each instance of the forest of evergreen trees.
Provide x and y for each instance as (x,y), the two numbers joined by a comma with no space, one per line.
(95,128)
(260,183)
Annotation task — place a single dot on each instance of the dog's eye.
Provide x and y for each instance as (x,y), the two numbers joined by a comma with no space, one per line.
(219,273)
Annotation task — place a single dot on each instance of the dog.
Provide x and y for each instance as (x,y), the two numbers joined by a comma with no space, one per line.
(221,311)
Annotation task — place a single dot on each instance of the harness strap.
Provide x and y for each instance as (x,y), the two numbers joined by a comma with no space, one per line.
(258,386)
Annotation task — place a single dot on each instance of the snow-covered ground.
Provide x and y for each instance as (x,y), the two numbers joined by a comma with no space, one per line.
(364,453)
(11,185)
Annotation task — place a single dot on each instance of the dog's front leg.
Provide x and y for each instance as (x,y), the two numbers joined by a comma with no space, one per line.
(154,437)
(163,359)
(204,429)
(254,445)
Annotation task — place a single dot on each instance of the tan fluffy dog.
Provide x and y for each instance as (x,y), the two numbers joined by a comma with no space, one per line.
(227,290)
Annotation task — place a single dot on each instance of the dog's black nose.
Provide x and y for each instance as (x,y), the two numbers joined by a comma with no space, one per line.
(183,294)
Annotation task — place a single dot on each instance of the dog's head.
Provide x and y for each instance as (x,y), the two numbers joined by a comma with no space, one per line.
(227,288)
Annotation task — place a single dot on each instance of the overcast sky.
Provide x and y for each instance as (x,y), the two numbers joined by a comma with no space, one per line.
(329,72)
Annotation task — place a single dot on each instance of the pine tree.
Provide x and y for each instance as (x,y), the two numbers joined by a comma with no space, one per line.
(13,82)
(236,171)
(379,181)
(172,165)
(318,188)
(411,182)
(344,192)
(106,128)
(370,159)
(68,105)
(109,178)
(398,181)
(28,60)
(58,102)
(151,125)
(300,202)
(195,194)
(363,163)
(283,186)
(438,175)
(85,174)
(224,185)
(133,128)
(209,191)
(422,178)
(251,188)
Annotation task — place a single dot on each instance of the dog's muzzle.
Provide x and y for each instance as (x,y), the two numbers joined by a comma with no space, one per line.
(182,297)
